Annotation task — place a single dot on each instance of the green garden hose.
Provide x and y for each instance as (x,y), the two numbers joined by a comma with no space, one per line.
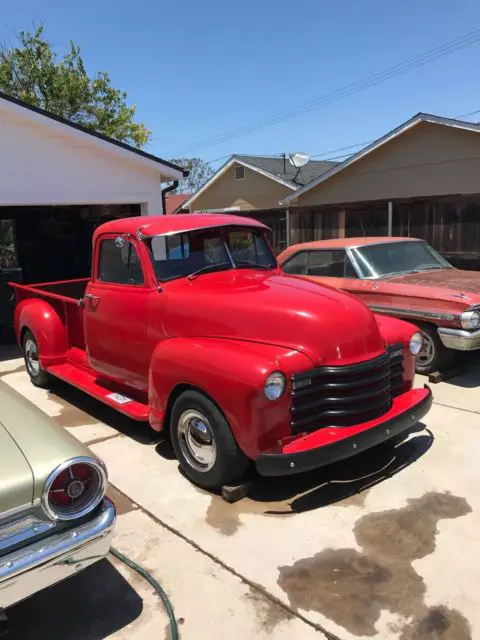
(156,585)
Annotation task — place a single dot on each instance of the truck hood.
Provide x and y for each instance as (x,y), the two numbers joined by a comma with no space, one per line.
(277,309)
(16,478)
(461,284)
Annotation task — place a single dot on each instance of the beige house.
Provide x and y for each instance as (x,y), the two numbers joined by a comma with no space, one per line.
(421,179)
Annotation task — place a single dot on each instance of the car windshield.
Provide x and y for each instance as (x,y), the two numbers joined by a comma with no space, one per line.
(207,250)
(395,258)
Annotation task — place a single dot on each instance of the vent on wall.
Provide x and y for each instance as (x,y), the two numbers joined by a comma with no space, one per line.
(239,172)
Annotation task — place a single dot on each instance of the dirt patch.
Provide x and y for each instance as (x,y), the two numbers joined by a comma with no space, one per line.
(268,613)
(225,517)
(121,502)
(352,587)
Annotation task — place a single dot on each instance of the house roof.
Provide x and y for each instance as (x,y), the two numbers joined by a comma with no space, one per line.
(150,226)
(94,134)
(274,168)
(174,201)
(391,135)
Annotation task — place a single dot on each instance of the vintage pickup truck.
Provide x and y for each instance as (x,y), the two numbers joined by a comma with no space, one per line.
(188,323)
(54,518)
(402,277)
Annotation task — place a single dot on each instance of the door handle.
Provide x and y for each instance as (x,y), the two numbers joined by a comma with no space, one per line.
(90,296)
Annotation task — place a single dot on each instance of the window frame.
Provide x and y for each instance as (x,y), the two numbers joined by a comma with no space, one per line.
(329,249)
(136,246)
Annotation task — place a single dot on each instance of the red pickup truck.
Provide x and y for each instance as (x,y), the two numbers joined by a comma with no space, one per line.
(188,323)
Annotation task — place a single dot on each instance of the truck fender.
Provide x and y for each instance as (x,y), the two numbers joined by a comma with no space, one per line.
(396,331)
(232,374)
(47,327)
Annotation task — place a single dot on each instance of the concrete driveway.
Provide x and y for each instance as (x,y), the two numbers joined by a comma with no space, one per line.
(382,547)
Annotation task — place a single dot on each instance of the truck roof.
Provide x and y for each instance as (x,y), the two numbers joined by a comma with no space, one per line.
(150,226)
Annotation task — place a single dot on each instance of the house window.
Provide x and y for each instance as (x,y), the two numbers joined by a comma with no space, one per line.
(239,172)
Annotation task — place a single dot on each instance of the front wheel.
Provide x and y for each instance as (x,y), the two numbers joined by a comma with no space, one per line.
(38,376)
(433,356)
(203,442)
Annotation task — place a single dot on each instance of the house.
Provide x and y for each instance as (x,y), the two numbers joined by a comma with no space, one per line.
(421,179)
(256,184)
(174,202)
(58,181)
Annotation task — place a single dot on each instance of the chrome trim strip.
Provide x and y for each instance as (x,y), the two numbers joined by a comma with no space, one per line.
(410,313)
(51,548)
(15,511)
(459,339)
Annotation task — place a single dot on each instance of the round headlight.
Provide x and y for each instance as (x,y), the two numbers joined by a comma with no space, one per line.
(74,488)
(275,385)
(416,343)
(470,319)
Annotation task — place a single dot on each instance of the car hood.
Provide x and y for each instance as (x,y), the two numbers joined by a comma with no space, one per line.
(32,445)
(328,325)
(456,280)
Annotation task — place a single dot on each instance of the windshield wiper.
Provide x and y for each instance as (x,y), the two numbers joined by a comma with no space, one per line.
(209,267)
(246,263)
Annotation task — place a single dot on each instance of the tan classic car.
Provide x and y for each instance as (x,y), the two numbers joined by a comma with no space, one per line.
(401,277)
(54,518)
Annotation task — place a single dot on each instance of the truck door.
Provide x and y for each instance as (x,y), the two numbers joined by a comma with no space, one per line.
(115,313)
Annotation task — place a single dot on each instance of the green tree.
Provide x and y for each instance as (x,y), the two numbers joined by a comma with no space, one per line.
(200,172)
(32,72)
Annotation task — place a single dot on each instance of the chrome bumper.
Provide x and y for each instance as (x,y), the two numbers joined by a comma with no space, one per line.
(41,564)
(459,339)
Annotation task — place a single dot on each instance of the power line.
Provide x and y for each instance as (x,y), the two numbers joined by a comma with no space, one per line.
(391,72)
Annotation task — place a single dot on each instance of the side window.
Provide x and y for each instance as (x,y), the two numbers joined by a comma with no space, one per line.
(297,265)
(119,263)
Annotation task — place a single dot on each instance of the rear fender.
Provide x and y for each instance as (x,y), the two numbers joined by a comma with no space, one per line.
(47,327)
(232,374)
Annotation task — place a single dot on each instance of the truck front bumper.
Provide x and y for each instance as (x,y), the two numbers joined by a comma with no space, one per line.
(46,562)
(459,339)
(306,453)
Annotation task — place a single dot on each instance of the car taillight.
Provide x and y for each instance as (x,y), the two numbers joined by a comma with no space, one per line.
(74,488)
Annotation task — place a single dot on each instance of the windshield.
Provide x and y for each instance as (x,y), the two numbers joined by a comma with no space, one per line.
(394,258)
(207,250)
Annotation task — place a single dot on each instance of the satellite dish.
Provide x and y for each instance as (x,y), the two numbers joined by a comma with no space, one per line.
(299,159)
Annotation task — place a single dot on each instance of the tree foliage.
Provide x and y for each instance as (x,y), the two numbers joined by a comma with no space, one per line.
(200,172)
(32,72)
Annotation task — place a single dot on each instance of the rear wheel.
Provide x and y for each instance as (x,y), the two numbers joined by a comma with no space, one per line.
(433,356)
(38,376)
(203,442)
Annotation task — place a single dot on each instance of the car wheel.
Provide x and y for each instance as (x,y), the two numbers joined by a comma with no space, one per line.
(203,442)
(38,376)
(433,356)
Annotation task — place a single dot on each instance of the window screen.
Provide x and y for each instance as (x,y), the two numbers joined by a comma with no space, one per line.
(119,264)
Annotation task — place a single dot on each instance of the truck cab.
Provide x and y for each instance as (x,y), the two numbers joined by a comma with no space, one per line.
(188,323)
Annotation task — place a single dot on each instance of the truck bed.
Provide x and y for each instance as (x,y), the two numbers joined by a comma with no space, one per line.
(64,297)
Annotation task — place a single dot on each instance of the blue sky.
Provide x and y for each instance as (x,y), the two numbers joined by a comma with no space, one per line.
(199,69)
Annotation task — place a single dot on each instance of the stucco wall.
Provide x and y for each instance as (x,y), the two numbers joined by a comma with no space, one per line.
(427,160)
(43,166)
(254,192)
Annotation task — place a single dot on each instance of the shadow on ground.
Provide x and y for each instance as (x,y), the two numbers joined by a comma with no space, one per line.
(90,606)
(344,484)
(9,352)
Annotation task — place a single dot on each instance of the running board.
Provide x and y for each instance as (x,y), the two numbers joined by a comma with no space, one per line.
(89,383)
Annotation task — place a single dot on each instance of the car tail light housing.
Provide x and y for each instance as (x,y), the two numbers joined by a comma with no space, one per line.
(74,488)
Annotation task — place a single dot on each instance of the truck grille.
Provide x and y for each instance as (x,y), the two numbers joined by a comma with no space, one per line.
(346,395)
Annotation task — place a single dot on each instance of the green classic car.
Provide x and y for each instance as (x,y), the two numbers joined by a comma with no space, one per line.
(54,517)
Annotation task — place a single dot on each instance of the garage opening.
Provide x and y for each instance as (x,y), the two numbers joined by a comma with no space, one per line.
(48,243)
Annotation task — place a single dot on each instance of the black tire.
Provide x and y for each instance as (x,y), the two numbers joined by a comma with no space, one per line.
(38,376)
(434,356)
(227,464)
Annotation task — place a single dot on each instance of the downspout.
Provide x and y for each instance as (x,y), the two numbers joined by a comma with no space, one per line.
(172,187)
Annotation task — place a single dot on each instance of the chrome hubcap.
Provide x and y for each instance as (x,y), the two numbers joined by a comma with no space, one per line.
(197,441)
(427,352)
(31,356)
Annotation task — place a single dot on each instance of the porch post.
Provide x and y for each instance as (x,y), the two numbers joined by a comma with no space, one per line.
(287,227)
(390,218)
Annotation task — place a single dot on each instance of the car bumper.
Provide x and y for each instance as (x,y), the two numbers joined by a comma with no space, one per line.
(459,339)
(46,562)
(406,411)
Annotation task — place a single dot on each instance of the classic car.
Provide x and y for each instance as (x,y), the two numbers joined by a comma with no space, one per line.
(401,277)
(188,323)
(54,518)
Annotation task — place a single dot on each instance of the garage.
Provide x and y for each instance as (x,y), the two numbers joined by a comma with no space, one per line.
(58,182)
